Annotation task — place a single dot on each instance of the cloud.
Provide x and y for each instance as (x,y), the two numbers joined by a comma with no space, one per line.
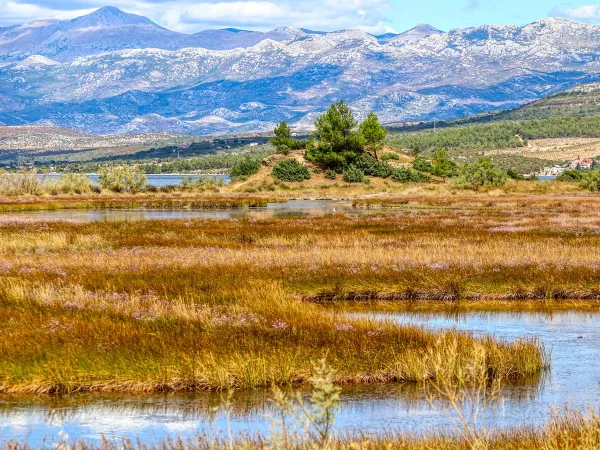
(587,12)
(189,16)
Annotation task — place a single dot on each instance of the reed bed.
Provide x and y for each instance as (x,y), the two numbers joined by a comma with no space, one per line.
(65,339)
(241,303)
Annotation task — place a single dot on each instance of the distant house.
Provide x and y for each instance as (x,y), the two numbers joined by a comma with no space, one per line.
(582,164)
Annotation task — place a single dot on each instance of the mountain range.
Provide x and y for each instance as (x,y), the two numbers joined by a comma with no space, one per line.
(113,72)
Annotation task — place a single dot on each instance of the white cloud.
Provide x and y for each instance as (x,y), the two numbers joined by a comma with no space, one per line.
(586,12)
(189,16)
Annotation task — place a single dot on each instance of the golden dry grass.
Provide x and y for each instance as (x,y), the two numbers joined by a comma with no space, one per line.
(214,304)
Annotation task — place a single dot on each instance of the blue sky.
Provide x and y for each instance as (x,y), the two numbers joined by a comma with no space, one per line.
(371,15)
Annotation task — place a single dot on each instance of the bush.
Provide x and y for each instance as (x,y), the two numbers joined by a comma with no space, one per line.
(122,179)
(482,173)
(330,174)
(245,167)
(390,155)
(353,174)
(290,170)
(570,175)
(513,174)
(406,175)
(372,167)
(20,184)
(74,183)
(421,164)
(590,180)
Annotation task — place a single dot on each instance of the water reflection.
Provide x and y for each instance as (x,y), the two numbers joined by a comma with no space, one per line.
(291,208)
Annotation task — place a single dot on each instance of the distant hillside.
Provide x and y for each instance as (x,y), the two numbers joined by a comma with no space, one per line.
(579,101)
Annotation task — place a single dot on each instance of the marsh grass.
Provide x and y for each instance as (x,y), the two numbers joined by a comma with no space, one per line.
(66,341)
(216,304)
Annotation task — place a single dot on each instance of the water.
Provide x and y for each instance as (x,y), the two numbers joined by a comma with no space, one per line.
(573,338)
(286,209)
(157,180)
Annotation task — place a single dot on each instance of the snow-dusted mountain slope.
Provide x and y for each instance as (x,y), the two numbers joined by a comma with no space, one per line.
(115,72)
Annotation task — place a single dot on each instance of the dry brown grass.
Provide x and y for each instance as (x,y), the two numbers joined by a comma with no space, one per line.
(213,304)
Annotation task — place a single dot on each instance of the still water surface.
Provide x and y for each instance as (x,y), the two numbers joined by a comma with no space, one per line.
(574,380)
(289,208)
(157,180)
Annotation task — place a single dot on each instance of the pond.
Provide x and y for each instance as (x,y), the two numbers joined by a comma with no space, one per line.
(285,209)
(573,339)
(157,180)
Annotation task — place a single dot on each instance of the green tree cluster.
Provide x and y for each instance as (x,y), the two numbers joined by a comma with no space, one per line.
(337,141)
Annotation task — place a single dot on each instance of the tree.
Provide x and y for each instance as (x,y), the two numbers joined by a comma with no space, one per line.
(482,173)
(373,132)
(442,165)
(336,125)
(590,180)
(283,140)
(336,143)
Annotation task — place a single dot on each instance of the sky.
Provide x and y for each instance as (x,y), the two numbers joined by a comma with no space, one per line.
(375,16)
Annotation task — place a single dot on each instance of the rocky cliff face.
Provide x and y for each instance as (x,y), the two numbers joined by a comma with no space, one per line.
(114,72)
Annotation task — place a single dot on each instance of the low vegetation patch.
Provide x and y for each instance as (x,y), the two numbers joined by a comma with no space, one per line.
(291,170)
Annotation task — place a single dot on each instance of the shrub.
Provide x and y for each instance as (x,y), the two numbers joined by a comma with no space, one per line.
(513,174)
(330,174)
(590,180)
(122,179)
(481,173)
(353,174)
(290,170)
(20,184)
(390,155)
(570,175)
(421,164)
(74,183)
(372,167)
(406,175)
(245,167)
